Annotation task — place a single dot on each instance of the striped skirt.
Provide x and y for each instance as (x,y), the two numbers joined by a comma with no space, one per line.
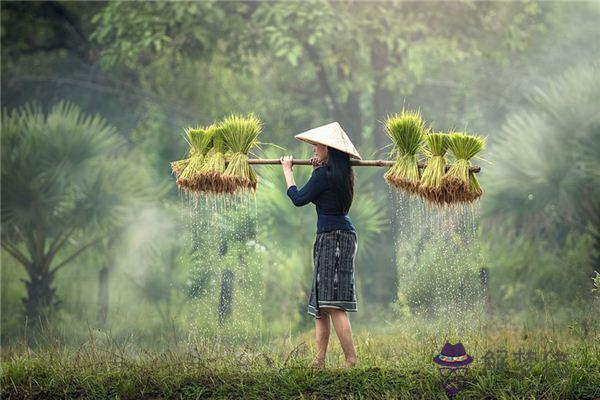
(333,272)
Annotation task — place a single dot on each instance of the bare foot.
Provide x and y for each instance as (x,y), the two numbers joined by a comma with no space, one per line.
(318,363)
(351,362)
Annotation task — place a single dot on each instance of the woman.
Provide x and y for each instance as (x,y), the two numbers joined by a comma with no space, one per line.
(333,295)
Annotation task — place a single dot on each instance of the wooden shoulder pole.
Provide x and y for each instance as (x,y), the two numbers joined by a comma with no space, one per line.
(354,163)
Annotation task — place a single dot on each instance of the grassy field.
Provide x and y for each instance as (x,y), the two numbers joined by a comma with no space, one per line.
(394,362)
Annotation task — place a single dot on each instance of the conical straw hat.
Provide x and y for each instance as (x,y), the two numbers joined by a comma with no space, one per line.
(331,135)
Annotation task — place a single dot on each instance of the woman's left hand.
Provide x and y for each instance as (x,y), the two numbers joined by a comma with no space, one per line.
(286,162)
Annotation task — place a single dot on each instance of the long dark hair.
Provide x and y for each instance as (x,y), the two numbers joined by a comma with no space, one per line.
(342,176)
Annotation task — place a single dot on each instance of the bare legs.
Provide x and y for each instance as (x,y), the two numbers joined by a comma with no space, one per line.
(341,324)
(322,330)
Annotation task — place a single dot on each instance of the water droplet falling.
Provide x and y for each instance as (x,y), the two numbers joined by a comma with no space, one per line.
(438,262)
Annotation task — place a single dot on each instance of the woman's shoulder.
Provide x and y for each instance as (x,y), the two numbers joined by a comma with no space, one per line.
(319,171)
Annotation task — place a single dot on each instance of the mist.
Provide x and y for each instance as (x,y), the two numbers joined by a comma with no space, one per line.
(101,248)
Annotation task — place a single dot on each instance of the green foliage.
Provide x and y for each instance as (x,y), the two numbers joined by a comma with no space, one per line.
(347,53)
(225,262)
(54,171)
(277,210)
(129,31)
(528,274)
(440,277)
(354,42)
(171,64)
(63,189)
(545,177)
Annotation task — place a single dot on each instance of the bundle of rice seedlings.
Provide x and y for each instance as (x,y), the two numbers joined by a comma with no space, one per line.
(407,132)
(210,174)
(431,188)
(460,184)
(187,170)
(178,166)
(240,135)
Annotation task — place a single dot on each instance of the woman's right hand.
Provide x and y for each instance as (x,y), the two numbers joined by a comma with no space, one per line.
(315,162)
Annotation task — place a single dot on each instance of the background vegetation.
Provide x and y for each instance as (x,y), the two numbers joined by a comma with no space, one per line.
(97,239)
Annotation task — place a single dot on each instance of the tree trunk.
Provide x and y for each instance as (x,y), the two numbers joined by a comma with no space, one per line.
(383,99)
(348,114)
(485,291)
(41,300)
(226,286)
(171,270)
(103,279)
(383,105)
(352,119)
(227,277)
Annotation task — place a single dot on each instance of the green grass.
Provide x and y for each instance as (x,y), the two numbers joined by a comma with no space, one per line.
(393,363)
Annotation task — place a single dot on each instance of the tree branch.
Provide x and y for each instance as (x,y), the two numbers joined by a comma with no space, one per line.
(78,252)
(322,77)
(13,251)
(59,242)
(32,49)
(297,89)
(40,245)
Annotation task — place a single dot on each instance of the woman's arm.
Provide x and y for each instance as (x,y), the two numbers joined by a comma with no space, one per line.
(286,164)
(309,191)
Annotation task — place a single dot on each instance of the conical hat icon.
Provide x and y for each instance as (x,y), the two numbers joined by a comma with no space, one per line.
(331,135)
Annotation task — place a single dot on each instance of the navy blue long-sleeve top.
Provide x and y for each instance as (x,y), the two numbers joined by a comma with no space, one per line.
(320,191)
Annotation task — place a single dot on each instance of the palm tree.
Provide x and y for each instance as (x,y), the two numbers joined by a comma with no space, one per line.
(545,178)
(63,191)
